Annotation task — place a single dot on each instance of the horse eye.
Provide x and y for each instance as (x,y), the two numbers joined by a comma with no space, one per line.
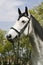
(23,21)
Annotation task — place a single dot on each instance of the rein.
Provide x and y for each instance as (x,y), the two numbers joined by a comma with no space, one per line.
(19,33)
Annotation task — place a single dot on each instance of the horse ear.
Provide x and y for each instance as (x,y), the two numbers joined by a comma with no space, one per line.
(19,11)
(26,10)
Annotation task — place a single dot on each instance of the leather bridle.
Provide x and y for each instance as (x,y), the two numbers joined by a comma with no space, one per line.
(22,30)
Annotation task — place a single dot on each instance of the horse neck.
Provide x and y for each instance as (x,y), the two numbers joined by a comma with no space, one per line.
(36,38)
(34,42)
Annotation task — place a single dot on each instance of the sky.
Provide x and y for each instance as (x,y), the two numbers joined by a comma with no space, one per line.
(9,10)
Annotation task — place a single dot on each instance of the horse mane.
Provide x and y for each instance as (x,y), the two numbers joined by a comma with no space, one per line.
(37,27)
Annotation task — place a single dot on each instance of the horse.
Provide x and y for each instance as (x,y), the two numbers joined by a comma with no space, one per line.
(28,25)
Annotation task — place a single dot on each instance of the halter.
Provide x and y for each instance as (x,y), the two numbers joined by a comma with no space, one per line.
(19,33)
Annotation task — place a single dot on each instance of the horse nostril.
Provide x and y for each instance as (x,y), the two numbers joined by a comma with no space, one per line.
(8,36)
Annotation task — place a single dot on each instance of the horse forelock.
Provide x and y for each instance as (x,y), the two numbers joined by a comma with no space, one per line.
(22,14)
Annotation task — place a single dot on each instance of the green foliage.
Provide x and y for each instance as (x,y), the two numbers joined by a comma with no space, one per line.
(37,12)
(1,36)
(7,46)
(24,41)
(1,48)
